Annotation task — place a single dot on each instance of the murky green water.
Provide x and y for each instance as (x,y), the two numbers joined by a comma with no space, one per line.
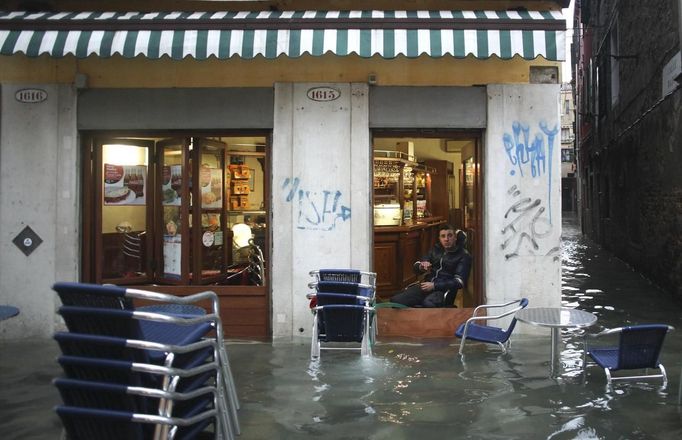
(422,390)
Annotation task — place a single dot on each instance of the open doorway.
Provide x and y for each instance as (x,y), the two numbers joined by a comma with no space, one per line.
(420,181)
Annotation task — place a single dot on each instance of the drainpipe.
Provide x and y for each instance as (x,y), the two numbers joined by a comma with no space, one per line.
(679,23)
(679,30)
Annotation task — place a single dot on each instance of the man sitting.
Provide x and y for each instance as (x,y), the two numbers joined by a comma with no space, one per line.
(447,267)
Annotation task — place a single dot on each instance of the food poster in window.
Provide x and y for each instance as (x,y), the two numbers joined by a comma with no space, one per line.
(172,242)
(172,184)
(172,256)
(212,235)
(125,184)
(211,182)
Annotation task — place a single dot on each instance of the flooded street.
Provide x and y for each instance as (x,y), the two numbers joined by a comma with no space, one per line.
(421,389)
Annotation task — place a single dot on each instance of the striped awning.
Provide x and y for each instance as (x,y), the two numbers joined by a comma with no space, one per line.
(270,34)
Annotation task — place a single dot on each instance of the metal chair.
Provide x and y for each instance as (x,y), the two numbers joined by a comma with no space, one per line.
(343,309)
(486,333)
(252,272)
(638,348)
(347,275)
(105,410)
(103,324)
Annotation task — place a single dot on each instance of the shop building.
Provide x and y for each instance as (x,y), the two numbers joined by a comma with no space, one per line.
(158,149)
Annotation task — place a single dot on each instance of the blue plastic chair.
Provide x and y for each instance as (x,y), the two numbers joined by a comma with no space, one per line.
(486,333)
(638,348)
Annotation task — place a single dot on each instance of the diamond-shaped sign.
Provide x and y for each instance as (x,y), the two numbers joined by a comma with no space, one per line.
(27,241)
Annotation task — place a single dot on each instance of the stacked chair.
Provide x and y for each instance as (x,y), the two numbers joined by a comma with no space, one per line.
(156,372)
(342,303)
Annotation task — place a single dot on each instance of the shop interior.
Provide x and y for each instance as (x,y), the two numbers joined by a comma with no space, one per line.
(420,183)
(149,228)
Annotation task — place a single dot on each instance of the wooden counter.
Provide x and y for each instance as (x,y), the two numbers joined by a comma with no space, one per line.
(396,248)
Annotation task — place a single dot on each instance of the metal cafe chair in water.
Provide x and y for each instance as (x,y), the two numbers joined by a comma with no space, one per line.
(639,347)
(173,346)
(343,310)
(474,331)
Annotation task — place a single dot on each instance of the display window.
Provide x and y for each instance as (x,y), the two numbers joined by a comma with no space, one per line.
(176,210)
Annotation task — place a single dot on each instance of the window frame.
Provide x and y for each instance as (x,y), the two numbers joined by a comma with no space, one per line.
(91,212)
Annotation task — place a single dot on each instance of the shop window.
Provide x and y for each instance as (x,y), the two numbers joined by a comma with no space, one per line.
(567,155)
(178,211)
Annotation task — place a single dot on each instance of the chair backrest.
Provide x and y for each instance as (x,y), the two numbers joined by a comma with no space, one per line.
(329,298)
(351,288)
(93,295)
(522,305)
(640,345)
(347,275)
(81,423)
(343,322)
(256,264)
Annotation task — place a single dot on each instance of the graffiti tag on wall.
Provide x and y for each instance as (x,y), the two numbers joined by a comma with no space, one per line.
(317,210)
(525,225)
(532,156)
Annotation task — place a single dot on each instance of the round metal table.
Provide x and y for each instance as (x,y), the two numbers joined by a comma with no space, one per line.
(556,318)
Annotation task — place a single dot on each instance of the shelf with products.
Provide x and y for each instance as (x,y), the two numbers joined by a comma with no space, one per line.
(400,184)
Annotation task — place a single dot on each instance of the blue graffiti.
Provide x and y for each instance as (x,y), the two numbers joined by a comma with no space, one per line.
(318,211)
(523,152)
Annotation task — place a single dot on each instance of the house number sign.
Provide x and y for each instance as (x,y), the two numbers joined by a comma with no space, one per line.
(323,94)
(30,96)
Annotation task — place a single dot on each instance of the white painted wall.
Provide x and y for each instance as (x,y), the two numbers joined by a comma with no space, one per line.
(522,211)
(38,188)
(321,195)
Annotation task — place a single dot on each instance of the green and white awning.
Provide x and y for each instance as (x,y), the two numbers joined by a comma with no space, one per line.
(270,34)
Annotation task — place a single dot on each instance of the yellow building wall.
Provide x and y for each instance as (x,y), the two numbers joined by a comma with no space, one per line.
(119,72)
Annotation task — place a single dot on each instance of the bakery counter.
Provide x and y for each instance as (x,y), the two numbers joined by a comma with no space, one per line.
(396,248)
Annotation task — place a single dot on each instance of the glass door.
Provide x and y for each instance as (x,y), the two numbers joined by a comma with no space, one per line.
(176,211)
(173,186)
(471,217)
(123,213)
(209,252)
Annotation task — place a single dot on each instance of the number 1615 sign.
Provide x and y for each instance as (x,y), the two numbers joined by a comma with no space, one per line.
(323,94)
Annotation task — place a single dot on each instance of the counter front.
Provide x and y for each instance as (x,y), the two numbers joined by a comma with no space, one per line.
(396,248)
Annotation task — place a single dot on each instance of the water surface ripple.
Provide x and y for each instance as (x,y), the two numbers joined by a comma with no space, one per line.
(422,389)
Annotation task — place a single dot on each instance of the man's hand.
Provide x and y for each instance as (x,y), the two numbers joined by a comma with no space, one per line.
(425,265)
(427,286)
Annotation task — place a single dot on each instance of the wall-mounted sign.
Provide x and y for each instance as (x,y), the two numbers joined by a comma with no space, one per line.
(27,241)
(323,94)
(30,96)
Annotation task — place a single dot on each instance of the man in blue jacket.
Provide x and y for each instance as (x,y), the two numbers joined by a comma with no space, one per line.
(447,267)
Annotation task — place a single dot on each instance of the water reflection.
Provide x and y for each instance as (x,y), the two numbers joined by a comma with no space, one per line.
(421,390)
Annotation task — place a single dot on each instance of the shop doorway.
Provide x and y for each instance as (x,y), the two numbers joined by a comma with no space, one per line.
(181,213)
(421,180)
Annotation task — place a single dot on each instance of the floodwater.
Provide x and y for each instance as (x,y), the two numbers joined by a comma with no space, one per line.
(421,389)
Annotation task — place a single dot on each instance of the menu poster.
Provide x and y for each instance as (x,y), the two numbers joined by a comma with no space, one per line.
(172,255)
(125,184)
(211,180)
(172,184)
